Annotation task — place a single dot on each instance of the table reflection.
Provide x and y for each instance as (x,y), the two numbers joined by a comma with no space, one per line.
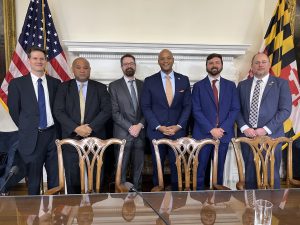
(203,207)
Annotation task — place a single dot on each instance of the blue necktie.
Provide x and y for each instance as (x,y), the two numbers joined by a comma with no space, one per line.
(42,105)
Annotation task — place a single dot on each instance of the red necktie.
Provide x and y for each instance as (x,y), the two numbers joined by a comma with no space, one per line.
(215,90)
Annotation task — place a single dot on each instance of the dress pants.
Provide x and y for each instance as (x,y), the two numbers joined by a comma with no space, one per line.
(45,152)
(165,151)
(134,153)
(205,158)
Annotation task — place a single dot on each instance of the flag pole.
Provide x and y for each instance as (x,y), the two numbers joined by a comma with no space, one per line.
(44,23)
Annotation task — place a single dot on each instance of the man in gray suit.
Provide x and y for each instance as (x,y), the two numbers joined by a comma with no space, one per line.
(128,119)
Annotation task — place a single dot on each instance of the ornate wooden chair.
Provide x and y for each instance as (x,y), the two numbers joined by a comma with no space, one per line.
(186,151)
(90,151)
(263,149)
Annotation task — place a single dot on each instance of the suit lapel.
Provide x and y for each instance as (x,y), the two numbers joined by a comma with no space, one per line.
(126,91)
(270,83)
(248,93)
(31,92)
(75,94)
(222,91)
(139,88)
(177,88)
(209,89)
(139,91)
(90,95)
(50,90)
(160,88)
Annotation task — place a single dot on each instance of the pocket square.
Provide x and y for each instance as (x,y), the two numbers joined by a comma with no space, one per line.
(181,91)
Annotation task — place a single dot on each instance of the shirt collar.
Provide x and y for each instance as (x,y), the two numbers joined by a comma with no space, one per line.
(35,77)
(211,78)
(128,79)
(163,75)
(79,83)
(264,79)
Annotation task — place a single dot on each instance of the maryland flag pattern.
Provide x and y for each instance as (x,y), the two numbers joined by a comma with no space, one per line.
(279,46)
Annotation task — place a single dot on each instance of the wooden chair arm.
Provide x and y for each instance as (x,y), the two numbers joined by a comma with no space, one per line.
(294,182)
(240,185)
(157,189)
(53,191)
(220,187)
(122,188)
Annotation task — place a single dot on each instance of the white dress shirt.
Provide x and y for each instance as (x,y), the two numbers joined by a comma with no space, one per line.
(262,88)
(34,79)
(84,88)
(211,78)
(128,85)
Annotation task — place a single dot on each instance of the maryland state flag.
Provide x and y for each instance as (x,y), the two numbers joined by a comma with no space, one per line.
(279,46)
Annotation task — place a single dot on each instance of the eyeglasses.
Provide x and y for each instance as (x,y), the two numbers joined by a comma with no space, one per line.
(128,64)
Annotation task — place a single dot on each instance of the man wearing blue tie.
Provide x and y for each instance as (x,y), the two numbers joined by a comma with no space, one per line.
(266,103)
(166,104)
(30,102)
(215,108)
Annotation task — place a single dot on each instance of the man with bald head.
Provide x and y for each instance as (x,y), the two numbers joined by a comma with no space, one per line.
(166,104)
(266,103)
(82,107)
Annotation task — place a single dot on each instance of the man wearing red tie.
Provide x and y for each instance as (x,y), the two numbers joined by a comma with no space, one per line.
(215,108)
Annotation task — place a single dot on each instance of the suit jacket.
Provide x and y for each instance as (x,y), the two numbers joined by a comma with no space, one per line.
(24,109)
(157,110)
(205,110)
(97,108)
(123,113)
(275,105)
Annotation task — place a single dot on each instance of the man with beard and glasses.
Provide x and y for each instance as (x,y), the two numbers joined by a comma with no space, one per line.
(82,106)
(166,104)
(215,108)
(128,119)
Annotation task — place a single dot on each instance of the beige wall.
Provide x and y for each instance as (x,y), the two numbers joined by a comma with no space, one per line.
(156,21)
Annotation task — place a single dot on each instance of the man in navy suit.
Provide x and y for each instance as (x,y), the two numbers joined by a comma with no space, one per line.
(166,104)
(274,104)
(215,108)
(30,103)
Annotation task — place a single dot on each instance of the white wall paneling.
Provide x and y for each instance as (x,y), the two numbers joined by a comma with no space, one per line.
(189,58)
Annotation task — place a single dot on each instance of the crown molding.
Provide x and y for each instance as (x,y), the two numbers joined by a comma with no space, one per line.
(147,49)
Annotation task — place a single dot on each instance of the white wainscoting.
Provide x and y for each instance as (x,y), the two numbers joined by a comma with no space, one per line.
(104,58)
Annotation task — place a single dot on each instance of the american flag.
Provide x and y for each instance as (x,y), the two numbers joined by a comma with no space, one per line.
(38,30)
